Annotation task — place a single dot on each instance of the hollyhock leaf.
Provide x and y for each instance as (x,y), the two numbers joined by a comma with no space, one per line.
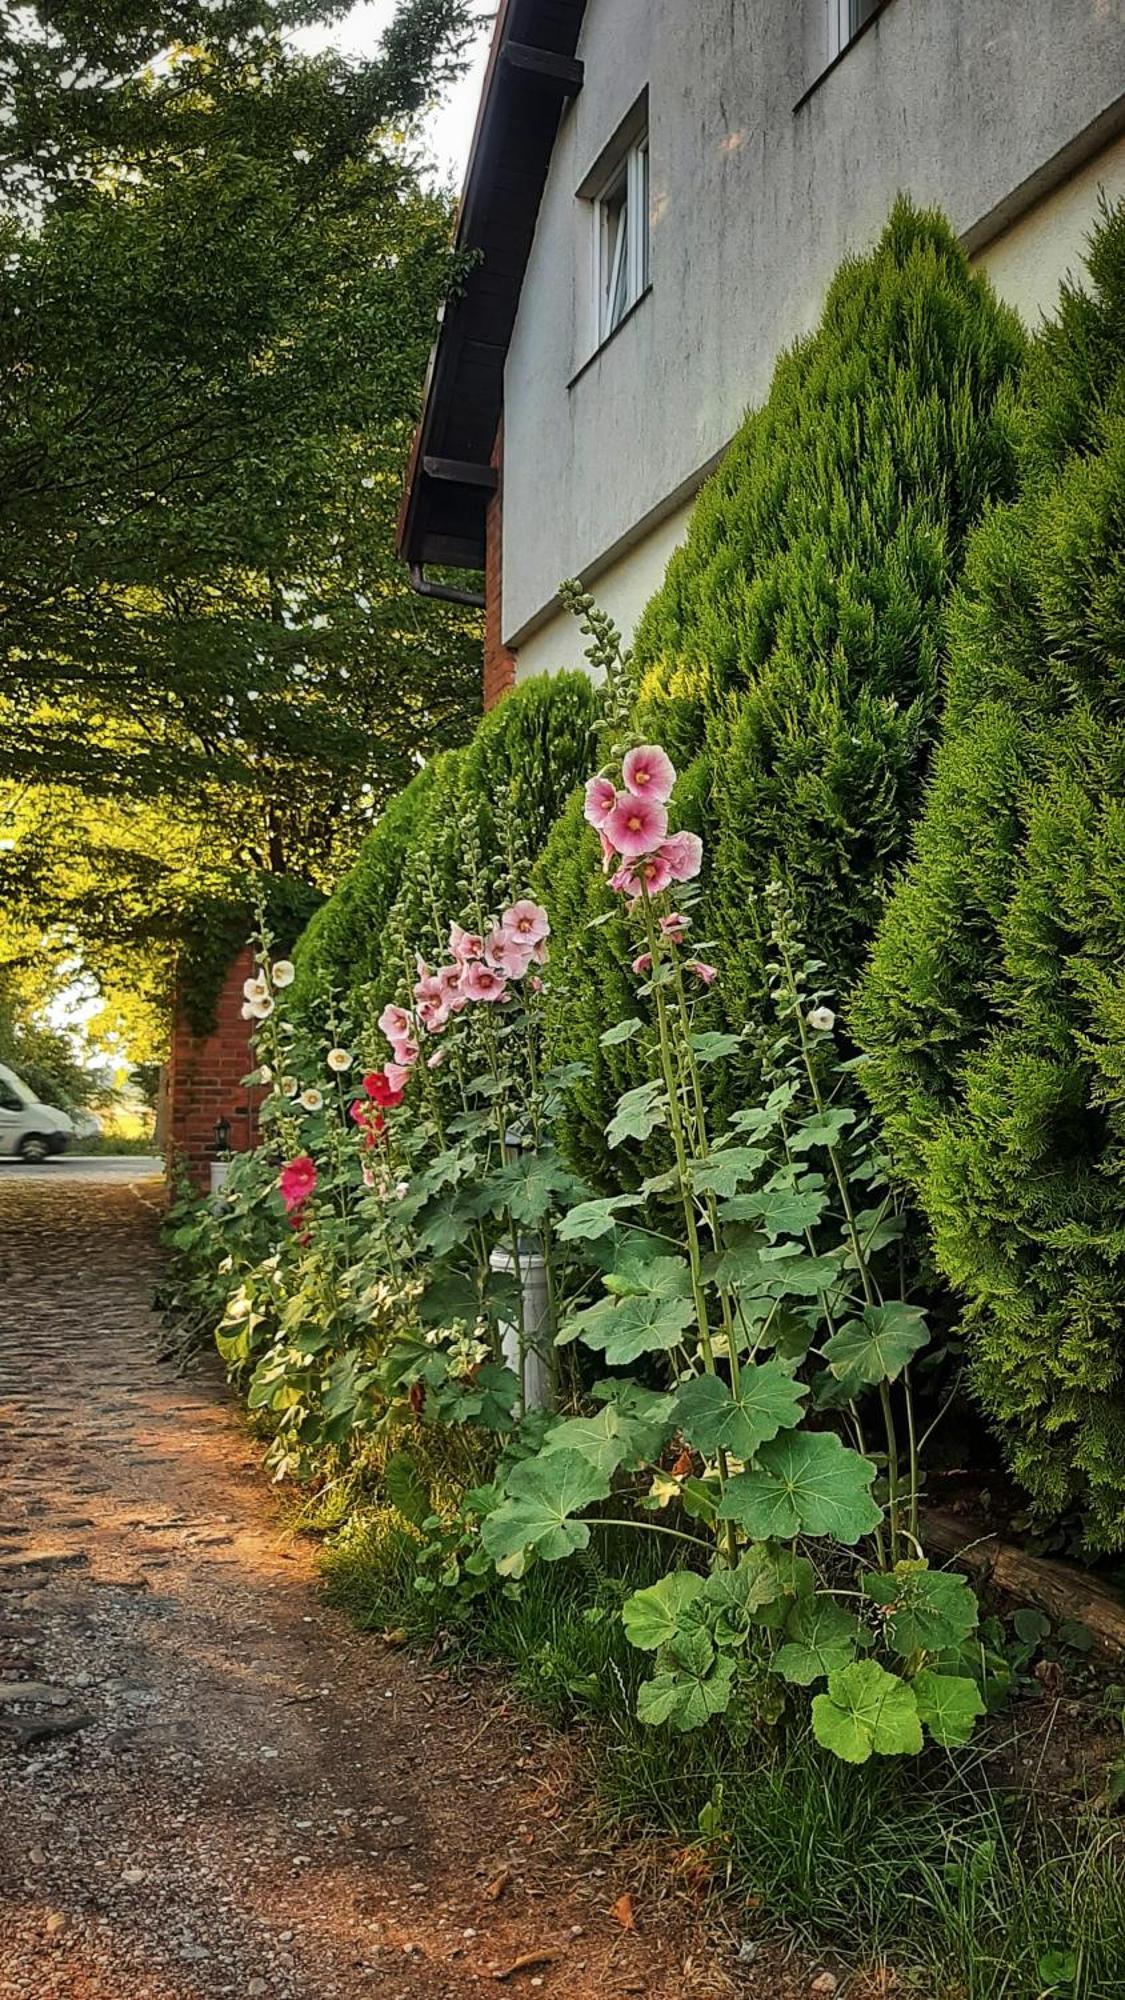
(866,1710)
(638,1113)
(713,1417)
(653,1618)
(822,1130)
(685,1696)
(541,1496)
(761,1119)
(445,1222)
(637,1273)
(820,1638)
(949,1705)
(579,1324)
(622,1031)
(723,1172)
(783,1211)
(447,1297)
(805,1482)
(926,1610)
(634,1326)
(616,1436)
(799,1277)
(711,1045)
(877,1346)
(528,1185)
(590,1219)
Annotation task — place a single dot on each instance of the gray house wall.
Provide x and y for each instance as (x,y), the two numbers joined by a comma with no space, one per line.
(974,106)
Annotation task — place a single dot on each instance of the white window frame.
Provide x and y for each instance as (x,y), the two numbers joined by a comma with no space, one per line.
(843,25)
(621,253)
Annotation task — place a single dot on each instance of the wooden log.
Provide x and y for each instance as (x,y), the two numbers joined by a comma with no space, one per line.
(1060,1589)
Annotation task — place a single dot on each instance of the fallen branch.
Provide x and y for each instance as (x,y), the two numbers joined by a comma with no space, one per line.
(1059,1589)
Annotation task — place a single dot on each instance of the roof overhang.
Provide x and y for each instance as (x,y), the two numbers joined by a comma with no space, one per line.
(532,74)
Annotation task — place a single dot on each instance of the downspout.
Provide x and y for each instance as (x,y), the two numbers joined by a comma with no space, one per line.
(448,593)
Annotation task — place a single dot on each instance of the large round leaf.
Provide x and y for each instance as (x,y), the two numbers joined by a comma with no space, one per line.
(805,1482)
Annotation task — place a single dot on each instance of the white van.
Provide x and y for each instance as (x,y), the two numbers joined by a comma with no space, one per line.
(29,1130)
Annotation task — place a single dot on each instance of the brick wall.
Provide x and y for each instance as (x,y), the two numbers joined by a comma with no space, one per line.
(204,1084)
(499,663)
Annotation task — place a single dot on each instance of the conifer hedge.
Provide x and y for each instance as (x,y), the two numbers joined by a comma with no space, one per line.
(994,1010)
(791,660)
(465,829)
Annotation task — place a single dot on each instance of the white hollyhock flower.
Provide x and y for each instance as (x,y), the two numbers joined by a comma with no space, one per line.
(261,1009)
(255,989)
(288,1086)
(339,1060)
(822,1019)
(311,1100)
(247,1011)
(284,972)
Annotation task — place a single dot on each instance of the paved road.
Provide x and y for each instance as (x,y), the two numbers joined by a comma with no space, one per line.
(216,1786)
(87,1167)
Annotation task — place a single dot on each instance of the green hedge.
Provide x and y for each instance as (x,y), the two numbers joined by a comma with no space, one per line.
(791,661)
(994,1010)
(460,838)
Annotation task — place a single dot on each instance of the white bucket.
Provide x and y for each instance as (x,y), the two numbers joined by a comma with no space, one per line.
(536,1326)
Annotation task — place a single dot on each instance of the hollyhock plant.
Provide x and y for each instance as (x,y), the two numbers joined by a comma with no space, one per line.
(601,797)
(311,1100)
(649,773)
(339,1060)
(481,982)
(650,871)
(464,945)
(284,972)
(395,1023)
(684,855)
(297,1181)
(635,826)
(397,1075)
(506,954)
(405,1053)
(382,1089)
(702,970)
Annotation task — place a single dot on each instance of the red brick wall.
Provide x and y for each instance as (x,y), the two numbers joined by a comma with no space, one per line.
(204,1084)
(499,663)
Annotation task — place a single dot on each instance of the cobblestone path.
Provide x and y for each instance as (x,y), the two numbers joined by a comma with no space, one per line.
(215,1785)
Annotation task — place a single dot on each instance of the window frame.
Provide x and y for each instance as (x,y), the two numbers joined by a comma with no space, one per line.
(621,250)
(845,22)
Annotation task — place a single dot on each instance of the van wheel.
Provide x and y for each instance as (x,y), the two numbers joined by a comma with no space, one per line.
(34,1150)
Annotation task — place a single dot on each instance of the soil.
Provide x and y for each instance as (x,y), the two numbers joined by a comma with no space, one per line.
(213,1784)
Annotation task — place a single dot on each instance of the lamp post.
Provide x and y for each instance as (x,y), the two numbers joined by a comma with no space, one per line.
(220,1164)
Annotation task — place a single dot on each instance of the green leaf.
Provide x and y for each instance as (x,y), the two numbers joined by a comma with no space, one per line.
(449,1296)
(822,1130)
(877,1346)
(722,1173)
(759,1590)
(406,1489)
(633,1326)
(925,1610)
(654,1617)
(445,1222)
(805,1482)
(783,1211)
(638,1273)
(687,1695)
(949,1705)
(541,1495)
(621,1031)
(626,1431)
(638,1114)
(713,1417)
(712,1046)
(765,1118)
(866,1710)
(1057,1968)
(820,1638)
(798,1277)
(591,1219)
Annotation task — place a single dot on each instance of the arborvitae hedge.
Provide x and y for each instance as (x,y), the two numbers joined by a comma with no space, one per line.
(790,662)
(995,1006)
(462,834)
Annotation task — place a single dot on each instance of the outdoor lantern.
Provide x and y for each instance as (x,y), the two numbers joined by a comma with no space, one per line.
(222,1136)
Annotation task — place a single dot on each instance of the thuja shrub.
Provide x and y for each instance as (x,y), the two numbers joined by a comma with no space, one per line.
(465,828)
(791,660)
(994,1009)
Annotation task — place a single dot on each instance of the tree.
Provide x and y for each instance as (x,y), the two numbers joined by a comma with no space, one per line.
(993,1009)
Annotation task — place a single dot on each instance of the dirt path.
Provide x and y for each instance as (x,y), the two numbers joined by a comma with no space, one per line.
(223,1788)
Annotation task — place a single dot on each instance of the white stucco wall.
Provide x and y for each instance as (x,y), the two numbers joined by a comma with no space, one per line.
(753,206)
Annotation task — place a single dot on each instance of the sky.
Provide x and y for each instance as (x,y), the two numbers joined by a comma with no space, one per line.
(450,124)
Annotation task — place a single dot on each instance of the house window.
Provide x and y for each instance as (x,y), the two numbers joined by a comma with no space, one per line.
(845,19)
(621,240)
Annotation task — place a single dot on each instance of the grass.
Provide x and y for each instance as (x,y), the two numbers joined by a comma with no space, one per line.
(969,1892)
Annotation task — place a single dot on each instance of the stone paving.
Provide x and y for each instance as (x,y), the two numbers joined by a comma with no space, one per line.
(210,1784)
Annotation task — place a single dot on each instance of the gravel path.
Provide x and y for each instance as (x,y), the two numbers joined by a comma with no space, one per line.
(215,1786)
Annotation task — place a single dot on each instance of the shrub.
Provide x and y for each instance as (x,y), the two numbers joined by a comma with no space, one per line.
(792,656)
(466,826)
(994,1008)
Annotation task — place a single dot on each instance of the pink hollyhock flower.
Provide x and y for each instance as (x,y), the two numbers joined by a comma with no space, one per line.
(609,854)
(684,854)
(433,1014)
(438,1056)
(449,980)
(650,871)
(649,772)
(297,1181)
(601,797)
(703,971)
(636,826)
(368,1178)
(397,1075)
(395,1023)
(540,952)
(505,954)
(483,982)
(535,983)
(405,1052)
(643,964)
(526,921)
(464,945)
(674,926)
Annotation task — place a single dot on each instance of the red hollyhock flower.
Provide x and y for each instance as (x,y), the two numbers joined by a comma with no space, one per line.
(381,1091)
(297,1181)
